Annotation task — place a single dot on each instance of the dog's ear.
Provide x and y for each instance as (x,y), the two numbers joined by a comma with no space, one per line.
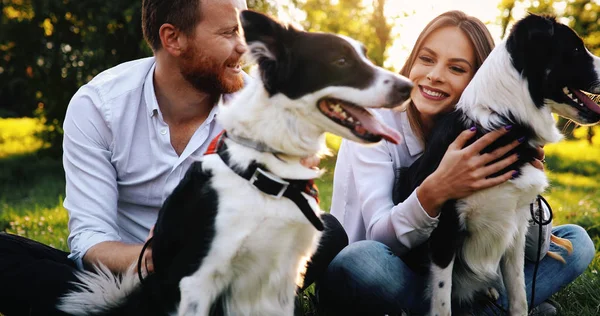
(267,42)
(530,46)
(262,34)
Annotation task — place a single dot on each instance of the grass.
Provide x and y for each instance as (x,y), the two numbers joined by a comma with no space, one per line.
(32,190)
(574,171)
(31,186)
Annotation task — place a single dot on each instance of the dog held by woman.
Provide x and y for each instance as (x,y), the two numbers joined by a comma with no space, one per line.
(233,236)
(540,69)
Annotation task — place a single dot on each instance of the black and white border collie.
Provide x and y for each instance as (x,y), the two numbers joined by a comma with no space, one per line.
(540,69)
(235,234)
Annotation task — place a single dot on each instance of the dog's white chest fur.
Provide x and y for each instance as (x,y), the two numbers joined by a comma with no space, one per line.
(496,221)
(259,254)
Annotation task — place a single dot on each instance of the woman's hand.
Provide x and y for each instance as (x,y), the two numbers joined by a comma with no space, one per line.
(464,170)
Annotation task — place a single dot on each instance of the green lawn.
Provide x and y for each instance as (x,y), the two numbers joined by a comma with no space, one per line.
(32,189)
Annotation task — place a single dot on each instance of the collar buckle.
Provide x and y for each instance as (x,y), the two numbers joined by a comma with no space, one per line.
(269,183)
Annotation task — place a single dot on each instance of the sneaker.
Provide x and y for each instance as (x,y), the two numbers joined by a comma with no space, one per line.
(546,308)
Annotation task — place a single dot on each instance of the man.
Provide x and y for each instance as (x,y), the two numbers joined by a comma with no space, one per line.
(130,135)
(132,132)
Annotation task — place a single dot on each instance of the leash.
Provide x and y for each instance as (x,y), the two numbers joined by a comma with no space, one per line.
(140,258)
(541,222)
(264,181)
(269,183)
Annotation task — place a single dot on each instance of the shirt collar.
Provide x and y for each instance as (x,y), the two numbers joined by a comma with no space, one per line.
(413,143)
(152,102)
(149,95)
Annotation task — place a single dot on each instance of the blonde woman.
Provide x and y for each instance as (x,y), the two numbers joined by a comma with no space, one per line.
(374,274)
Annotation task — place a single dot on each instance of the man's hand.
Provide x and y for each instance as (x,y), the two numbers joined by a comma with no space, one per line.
(311,161)
(119,257)
(147,264)
(540,158)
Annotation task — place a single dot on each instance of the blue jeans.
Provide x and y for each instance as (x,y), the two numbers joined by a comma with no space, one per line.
(367,278)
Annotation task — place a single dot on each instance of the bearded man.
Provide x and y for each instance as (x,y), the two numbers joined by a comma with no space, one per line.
(130,135)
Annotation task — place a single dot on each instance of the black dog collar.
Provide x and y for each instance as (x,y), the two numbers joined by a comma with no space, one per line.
(271,184)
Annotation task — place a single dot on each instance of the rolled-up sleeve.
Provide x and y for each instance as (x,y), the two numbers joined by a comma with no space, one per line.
(91,185)
(402,226)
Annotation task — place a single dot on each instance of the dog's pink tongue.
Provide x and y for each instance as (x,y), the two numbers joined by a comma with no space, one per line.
(373,126)
(586,101)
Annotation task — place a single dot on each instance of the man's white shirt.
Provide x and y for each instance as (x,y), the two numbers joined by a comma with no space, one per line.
(119,163)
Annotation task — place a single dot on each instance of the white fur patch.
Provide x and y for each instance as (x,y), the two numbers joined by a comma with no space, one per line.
(441,289)
(98,291)
(489,97)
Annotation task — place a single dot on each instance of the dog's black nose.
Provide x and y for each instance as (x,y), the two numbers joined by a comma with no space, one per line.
(400,91)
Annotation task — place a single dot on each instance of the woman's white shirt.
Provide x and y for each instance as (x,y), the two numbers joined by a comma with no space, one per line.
(364,178)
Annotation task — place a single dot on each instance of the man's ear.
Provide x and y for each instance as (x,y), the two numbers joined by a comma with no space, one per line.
(171,39)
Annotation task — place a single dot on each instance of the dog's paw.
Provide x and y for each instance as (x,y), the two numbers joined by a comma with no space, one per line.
(189,305)
(188,309)
(518,310)
(440,313)
(492,294)
(440,308)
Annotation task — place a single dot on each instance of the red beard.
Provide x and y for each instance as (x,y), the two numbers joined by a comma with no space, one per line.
(206,75)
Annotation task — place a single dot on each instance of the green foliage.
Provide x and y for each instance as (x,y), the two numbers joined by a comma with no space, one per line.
(51,47)
(581,15)
(351,18)
(271,7)
(17,136)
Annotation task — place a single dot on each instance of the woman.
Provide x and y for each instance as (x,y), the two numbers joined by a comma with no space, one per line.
(371,275)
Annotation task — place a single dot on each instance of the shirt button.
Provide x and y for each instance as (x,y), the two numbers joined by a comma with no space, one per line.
(163,131)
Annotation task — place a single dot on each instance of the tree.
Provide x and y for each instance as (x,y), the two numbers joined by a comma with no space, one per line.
(52,47)
(581,15)
(352,18)
(49,48)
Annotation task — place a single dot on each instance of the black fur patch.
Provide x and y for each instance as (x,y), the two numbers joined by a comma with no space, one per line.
(447,238)
(304,62)
(551,56)
(445,131)
(183,234)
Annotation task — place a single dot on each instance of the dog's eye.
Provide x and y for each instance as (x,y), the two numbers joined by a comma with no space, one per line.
(342,61)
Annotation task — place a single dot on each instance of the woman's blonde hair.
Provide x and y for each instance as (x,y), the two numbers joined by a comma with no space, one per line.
(472,27)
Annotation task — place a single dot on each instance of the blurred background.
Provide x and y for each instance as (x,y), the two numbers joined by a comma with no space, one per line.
(49,48)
